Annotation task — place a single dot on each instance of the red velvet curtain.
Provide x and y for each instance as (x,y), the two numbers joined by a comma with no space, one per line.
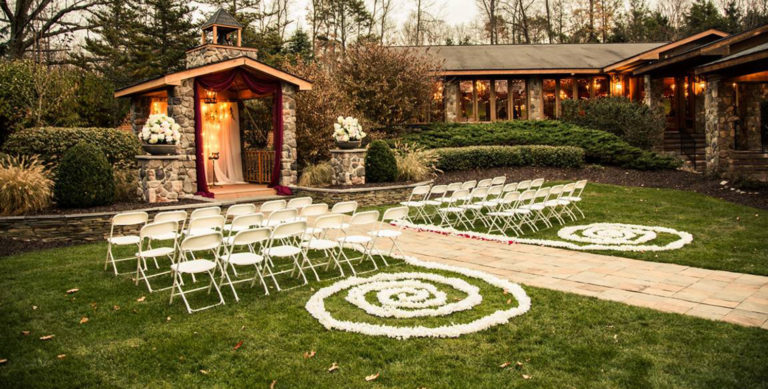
(219,82)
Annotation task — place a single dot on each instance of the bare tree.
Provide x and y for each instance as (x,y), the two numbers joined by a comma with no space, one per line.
(32,21)
(493,20)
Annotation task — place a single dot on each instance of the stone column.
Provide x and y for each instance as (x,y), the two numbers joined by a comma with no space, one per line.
(450,99)
(161,177)
(139,113)
(348,167)
(654,89)
(711,127)
(535,102)
(181,107)
(289,170)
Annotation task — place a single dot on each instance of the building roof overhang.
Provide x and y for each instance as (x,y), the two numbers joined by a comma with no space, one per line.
(749,60)
(175,79)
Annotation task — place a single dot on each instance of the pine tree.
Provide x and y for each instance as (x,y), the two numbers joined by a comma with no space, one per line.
(702,16)
(165,34)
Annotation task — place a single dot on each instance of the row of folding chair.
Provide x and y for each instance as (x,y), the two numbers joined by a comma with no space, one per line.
(283,235)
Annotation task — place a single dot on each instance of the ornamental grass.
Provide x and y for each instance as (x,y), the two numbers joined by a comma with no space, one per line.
(25,185)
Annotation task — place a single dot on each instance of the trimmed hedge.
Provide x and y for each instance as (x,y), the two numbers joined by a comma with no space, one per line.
(380,163)
(478,157)
(599,146)
(84,178)
(50,143)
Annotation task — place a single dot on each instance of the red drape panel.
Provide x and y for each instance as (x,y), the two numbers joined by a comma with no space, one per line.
(221,81)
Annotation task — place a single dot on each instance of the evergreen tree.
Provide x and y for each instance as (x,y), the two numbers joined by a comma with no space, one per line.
(299,46)
(732,20)
(109,52)
(702,16)
(165,34)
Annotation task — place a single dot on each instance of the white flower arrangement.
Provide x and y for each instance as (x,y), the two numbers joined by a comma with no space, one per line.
(160,129)
(601,236)
(347,129)
(407,295)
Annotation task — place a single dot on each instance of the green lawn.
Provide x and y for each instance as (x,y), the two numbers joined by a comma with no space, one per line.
(563,341)
(726,236)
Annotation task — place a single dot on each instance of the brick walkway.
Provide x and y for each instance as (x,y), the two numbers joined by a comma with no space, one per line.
(712,294)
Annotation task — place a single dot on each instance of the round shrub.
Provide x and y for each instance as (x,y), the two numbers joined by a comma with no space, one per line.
(380,163)
(24,185)
(84,178)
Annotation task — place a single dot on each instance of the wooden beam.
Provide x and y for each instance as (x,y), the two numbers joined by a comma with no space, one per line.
(515,71)
(754,77)
(754,57)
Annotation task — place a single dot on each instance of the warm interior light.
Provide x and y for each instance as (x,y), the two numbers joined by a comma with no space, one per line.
(158,105)
(214,114)
(209,97)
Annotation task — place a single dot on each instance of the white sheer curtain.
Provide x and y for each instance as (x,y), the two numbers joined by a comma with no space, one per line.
(222,135)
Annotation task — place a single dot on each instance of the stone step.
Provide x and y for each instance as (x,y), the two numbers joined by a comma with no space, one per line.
(231,192)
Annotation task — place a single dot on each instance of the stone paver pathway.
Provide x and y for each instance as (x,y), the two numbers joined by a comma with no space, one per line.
(712,294)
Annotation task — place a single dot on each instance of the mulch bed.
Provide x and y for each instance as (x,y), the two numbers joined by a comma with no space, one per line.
(117,207)
(675,179)
(368,185)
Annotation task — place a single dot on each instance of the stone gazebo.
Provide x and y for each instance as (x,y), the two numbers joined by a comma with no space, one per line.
(218,68)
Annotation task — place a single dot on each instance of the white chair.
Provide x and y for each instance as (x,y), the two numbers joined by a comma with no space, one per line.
(157,231)
(271,206)
(313,210)
(249,238)
(416,201)
(180,217)
(299,202)
(469,185)
(319,240)
(390,215)
(205,212)
(281,216)
(502,218)
(242,223)
(205,225)
(517,215)
(454,208)
(285,242)
(238,210)
(485,183)
(433,199)
(537,183)
(344,207)
(474,203)
(189,263)
(511,187)
(554,203)
(361,241)
(575,198)
(491,202)
(452,187)
(498,180)
(536,207)
(122,221)
(524,185)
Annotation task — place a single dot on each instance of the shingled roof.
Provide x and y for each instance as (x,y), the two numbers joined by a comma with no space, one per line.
(222,18)
(538,57)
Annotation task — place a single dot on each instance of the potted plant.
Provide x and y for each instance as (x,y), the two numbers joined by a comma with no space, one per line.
(348,133)
(160,135)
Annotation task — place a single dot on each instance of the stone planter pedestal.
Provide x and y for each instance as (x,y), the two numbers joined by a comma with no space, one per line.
(348,167)
(163,178)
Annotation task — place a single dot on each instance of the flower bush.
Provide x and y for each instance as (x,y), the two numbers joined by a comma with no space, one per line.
(160,129)
(347,129)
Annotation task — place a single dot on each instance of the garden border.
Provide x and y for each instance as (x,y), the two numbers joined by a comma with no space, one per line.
(372,195)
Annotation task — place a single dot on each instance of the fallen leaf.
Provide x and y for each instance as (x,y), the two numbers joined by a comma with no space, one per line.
(237,346)
(204,371)
(47,337)
(25,333)
(334,367)
(83,320)
(272,385)
(141,299)
(526,377)
(242,328)
(372,377)
(34,307)
(168,318)
(3,361)
(73,290)
(509,301)
(616,337)
(309,354)
(116,307)
(518,364)
(61,356)
(94,305)
(505,364)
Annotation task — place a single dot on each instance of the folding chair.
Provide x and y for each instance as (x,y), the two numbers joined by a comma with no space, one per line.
(485,183)
(242,223)
(285,242)
(575,198)
(537,183)
(189,263)
(313,210)
(245,238)
(491,202)
(511,187)
(319,240)
(537,207)
(121,221)
(469,185)
(281,216)
(157,231)
(502,218)
(205,225)
(553,204)
(498,180)
(271,206)
(205,212)
(454,207)
(416,201)
(344,207)
(238,210)
(523,213)
(390,215)
(473,204)
(299,202)
(452,187)
(432,199)
(560,205)
(363,241)
(180,217)
(524,185)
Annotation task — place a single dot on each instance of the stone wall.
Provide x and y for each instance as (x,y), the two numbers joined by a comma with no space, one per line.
(289,174)
(450,99)
(139,113)
(348,167)
(209,53)
(535,102)
(750,97)
(162,178)
(364,196)
(711,126)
